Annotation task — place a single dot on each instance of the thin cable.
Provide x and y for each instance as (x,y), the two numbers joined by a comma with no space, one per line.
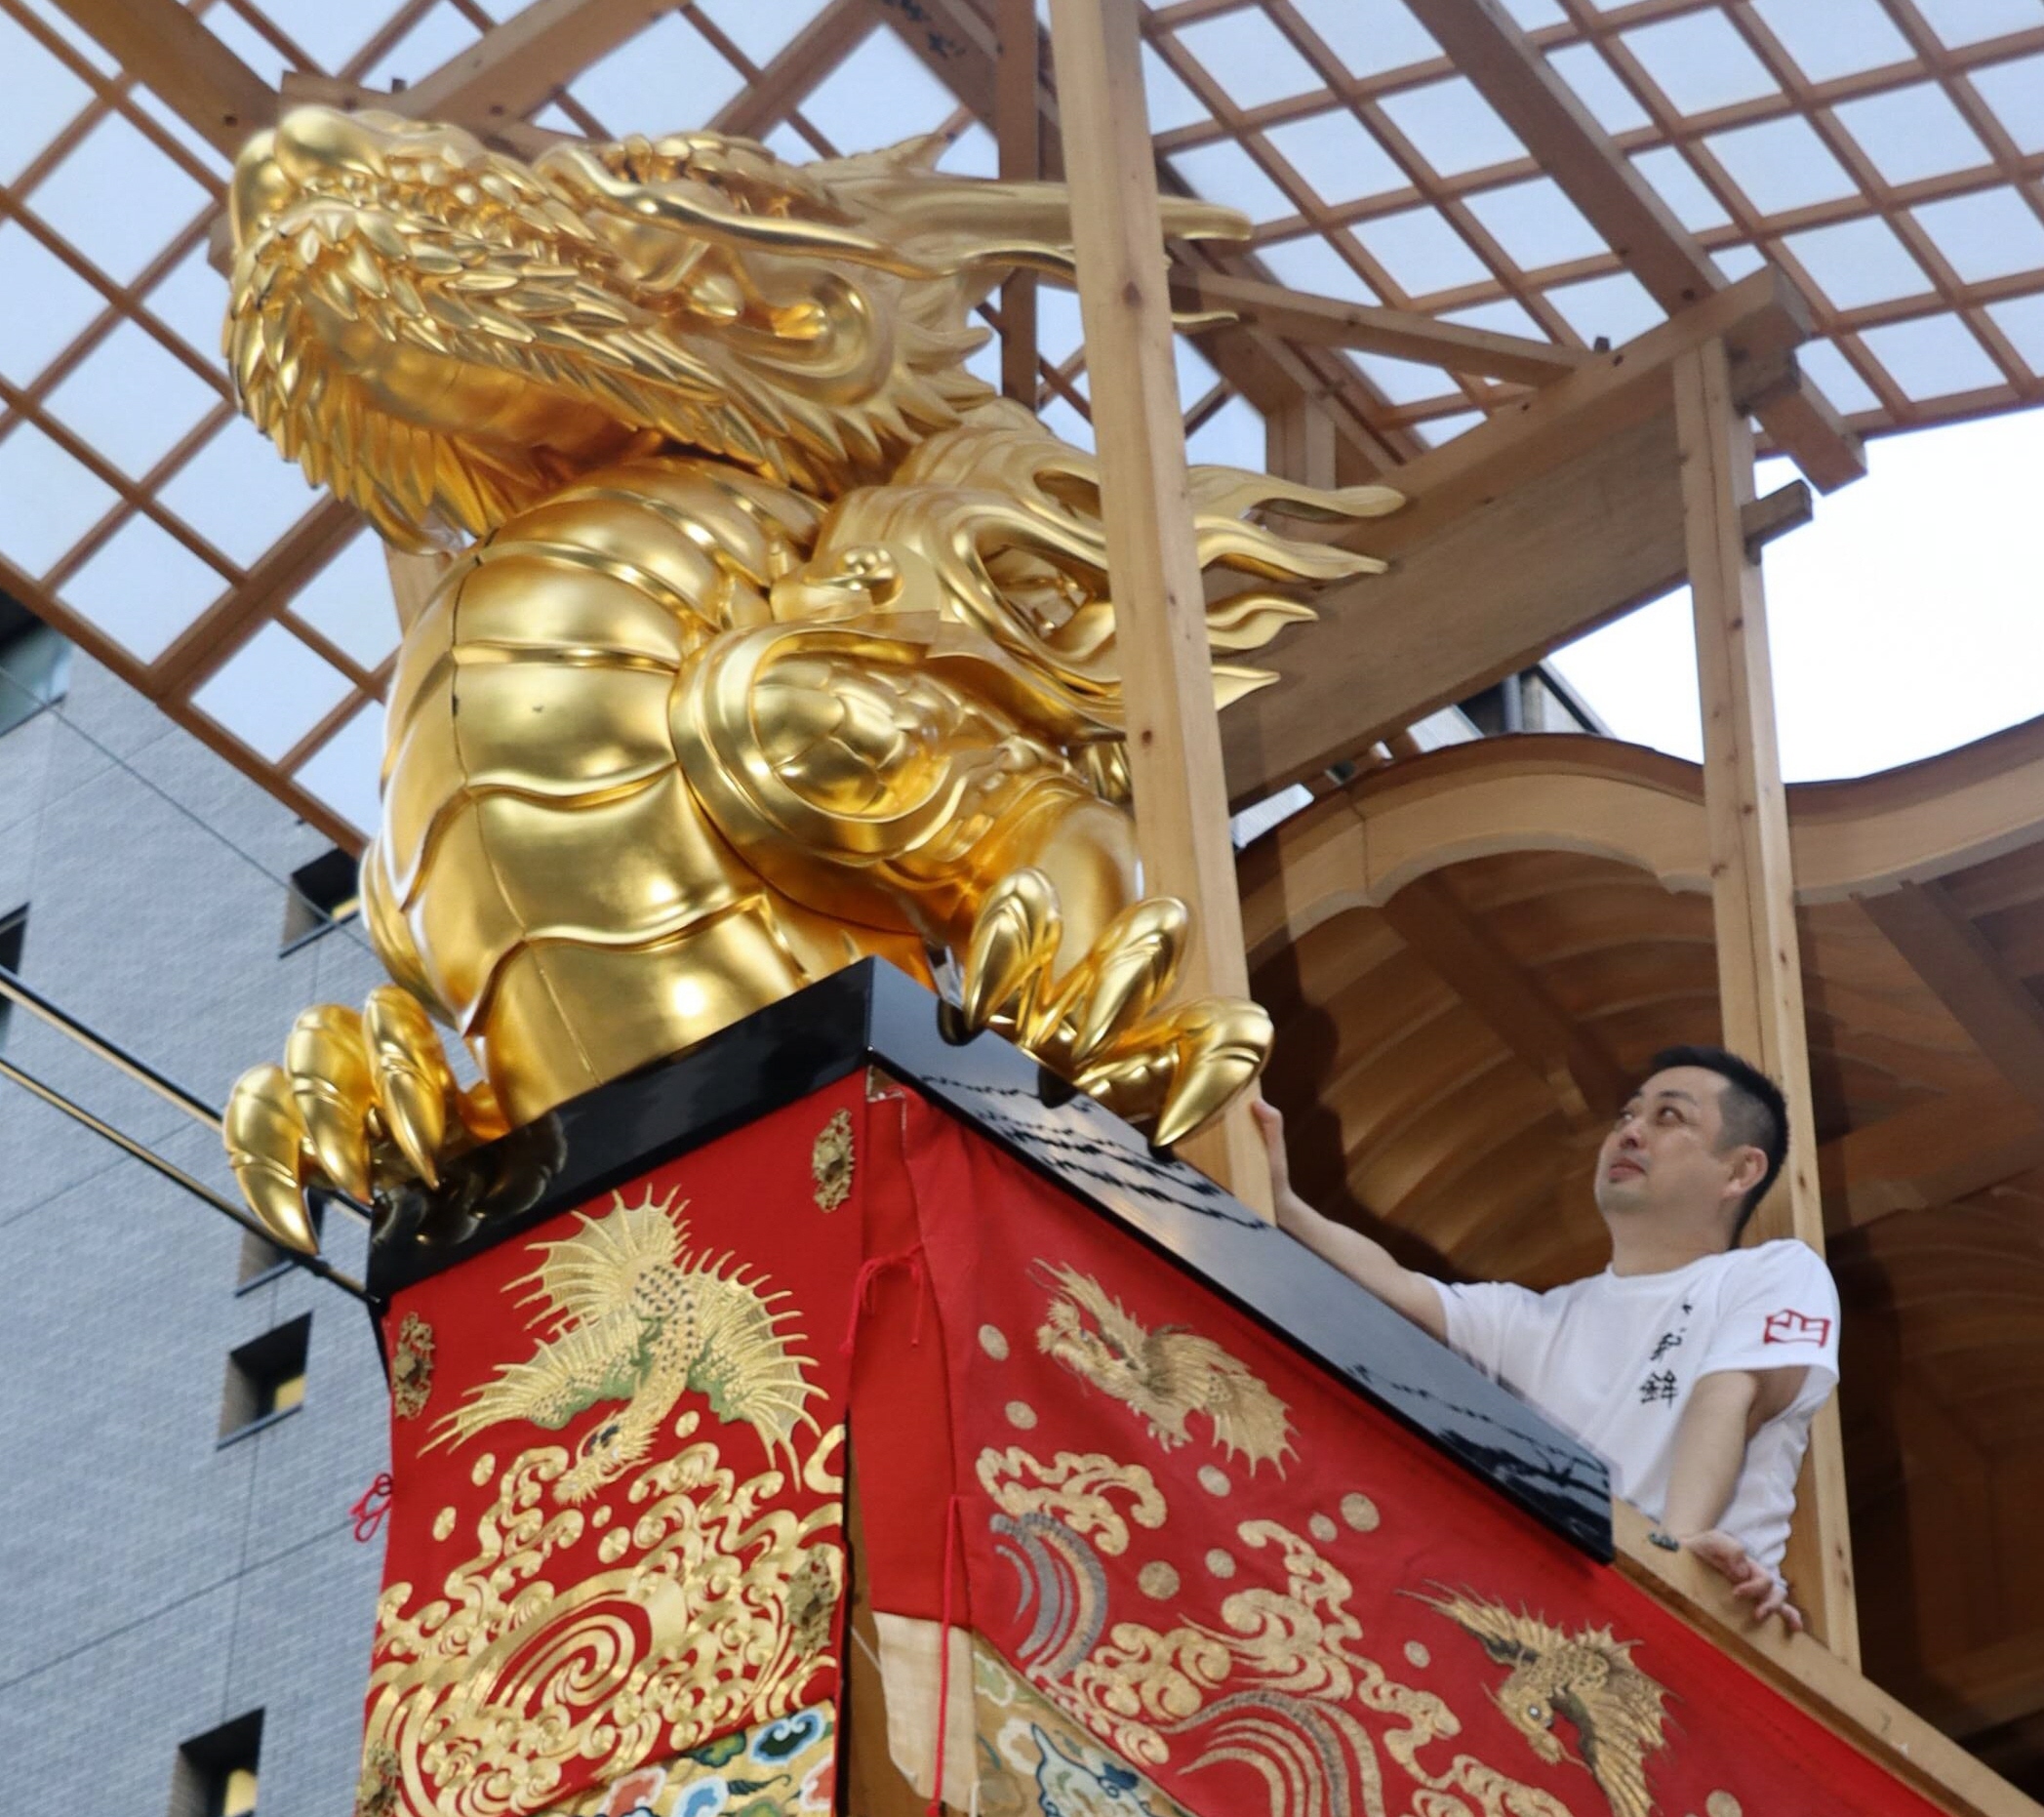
(57,712)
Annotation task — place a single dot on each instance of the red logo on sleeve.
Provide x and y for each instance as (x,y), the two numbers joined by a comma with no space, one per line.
(1788,1327)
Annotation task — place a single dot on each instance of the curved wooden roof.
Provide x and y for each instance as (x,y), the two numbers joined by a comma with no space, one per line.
(1471,954)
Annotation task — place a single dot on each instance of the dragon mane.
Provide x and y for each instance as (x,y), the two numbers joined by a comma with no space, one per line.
(445,334)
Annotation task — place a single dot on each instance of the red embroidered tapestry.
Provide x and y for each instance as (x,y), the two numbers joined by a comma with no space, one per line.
(1256,1592)
(1193,1574)
(617,1457)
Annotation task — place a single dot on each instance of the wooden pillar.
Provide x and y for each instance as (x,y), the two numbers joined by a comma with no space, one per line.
(1174,737)
(1759,967)
(412,579)
(1299,443)
(1017,128)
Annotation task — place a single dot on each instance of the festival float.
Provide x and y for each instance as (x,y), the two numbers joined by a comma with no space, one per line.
(816,1385)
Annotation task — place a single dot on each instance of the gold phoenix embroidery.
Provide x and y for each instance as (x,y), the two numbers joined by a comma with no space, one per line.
(831,1163)
(1162,1375)
(1587,1676)
(637,1317)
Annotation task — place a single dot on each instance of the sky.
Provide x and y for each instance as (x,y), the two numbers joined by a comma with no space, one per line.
(1905,619)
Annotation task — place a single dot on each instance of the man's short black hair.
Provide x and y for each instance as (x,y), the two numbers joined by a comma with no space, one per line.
(1755,1113)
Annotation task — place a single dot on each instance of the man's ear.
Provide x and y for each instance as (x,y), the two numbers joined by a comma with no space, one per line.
(1748,1169)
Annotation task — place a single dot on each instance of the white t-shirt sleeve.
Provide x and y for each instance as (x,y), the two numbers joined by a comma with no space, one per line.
(1777,1310)
(1483,1319)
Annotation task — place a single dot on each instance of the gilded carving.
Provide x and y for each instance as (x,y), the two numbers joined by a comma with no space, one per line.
(412,1367)
(830,1161)
(1162,1376)
(776,637)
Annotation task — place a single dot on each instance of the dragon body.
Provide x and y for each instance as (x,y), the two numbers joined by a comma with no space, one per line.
(768,637)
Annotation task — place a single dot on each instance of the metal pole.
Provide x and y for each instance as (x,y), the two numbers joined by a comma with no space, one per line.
(34,1001)
(139,1071)
(196,1187)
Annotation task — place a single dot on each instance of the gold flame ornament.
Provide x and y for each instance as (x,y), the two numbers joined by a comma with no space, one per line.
(770,638)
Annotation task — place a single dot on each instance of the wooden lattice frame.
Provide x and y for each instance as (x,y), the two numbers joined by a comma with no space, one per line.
(193,99)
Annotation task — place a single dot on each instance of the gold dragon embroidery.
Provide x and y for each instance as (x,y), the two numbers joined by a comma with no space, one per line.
(1281,1686)
(1162,1376)
(1586,1678)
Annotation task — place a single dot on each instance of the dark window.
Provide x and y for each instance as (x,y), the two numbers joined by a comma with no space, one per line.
(265,1379)
(14,932)
(35,664)
(215,1775)
(322,893)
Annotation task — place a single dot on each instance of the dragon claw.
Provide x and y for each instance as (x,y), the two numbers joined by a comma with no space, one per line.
(362,1100)
(266,1138)
(1098,1025)
(1014,944)
(412,1079)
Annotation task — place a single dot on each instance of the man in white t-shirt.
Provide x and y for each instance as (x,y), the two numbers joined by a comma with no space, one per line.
(1692,1366)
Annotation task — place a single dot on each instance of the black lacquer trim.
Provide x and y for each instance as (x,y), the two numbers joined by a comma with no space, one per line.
(871,1011)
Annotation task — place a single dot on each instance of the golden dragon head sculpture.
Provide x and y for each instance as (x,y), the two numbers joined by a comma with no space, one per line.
(778,640)
(445,334)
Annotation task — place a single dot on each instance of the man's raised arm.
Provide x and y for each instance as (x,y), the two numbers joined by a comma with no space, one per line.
(1364,1260)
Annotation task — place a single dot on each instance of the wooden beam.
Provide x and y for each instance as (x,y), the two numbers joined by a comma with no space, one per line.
(514,68)
(957,41)
(1988,1686)
(1761,320)
(1299,444)
(1531,96)
(1329,322)
(203,82)
(1561,512)
(1431,918)
(1018,131)
(1826,1687)
(1507,581)
(211,638)
(1361,844)
(1773,514)
(1932,1154)
(1760,977)
(1964,973)
(1173,739)
(811,54)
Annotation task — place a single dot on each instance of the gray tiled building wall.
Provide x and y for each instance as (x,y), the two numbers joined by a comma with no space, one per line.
(158,1583)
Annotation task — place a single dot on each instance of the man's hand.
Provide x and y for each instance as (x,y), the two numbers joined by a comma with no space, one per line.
(1284,1200)
(1362,1259)
(1751,1580)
